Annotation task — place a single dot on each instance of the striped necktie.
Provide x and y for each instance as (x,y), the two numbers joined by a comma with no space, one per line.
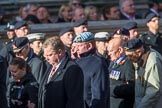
(51,74)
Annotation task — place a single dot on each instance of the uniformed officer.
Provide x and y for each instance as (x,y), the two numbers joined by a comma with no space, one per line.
(80,26)
(132,27)
(121,73)
(24,88)
(95,71)
(36,41)
(21,29)
(101,38)
(153,38)
(10,29)
(22,49)
(67,36)
(148,86)
(6,50)
(101,41)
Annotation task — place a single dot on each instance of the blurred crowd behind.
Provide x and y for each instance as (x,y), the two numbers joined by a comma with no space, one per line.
(79,69)
(75,9)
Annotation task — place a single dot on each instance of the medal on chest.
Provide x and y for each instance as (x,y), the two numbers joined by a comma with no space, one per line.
(115,74)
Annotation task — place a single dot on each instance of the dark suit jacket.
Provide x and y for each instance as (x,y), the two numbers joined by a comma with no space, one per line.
(3,71)
(123,17)
(65,89)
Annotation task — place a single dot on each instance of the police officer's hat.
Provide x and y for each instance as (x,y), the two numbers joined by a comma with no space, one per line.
(121,31)
(130,25)
(19,43)
(132,45)
(84,37)
(20,24)
(80,22)
(36,36)
(150,16)
(10,25)
(64,30)
(102,36)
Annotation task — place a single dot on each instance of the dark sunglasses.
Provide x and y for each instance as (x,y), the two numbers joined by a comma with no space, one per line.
(22,49)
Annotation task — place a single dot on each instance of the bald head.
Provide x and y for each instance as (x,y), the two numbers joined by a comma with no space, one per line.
(116,42)
(115,49)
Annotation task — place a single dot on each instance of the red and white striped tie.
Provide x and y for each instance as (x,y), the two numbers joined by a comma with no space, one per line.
(51,74)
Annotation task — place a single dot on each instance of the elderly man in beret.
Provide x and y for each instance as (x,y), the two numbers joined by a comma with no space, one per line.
(36,41)
(148,86)
(80,26)
(66,36)
(21,29)
(95,71)
(153,37)
(22,49)
(132,27)
(122,33)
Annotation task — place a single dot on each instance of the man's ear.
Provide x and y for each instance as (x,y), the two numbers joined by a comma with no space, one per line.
(138,51)
(121,50)
(59,51)
(147,23)
(90,46)
(24,69)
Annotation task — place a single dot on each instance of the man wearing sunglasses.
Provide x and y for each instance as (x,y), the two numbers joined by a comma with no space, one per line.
(22,49)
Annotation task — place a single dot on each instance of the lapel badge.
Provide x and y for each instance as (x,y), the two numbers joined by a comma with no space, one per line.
(148,38)
(79,39)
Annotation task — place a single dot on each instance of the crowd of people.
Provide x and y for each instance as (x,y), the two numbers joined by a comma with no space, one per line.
(75,9)
(81,69)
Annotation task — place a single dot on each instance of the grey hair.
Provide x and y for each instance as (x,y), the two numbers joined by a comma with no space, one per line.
(121,2)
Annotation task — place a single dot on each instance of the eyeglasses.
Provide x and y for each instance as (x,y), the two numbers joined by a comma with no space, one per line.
(21,50)
(76,4)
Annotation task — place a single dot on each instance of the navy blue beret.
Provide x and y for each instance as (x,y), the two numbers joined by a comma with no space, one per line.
(20,24)
(80,22)
(64,30)
(19,43)
(84,37)
(132,45)
(150,16)
(130,25)
(122,31)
